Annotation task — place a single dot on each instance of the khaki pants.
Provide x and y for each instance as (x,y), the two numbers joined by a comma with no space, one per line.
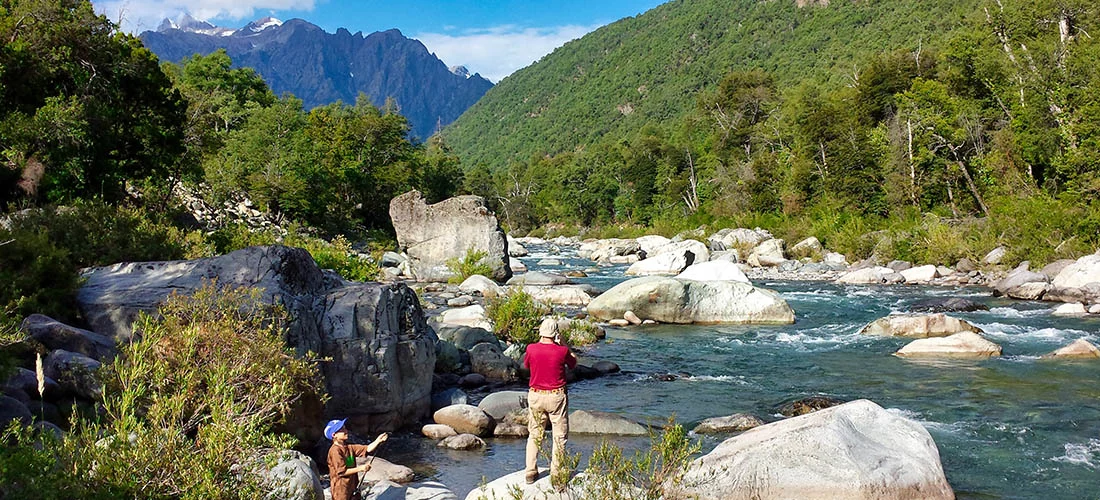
(556,406)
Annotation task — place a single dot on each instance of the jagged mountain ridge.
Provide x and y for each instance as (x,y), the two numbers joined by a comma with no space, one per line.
(320,68)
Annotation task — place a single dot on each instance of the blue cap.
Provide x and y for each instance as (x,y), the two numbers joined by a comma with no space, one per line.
(332,426)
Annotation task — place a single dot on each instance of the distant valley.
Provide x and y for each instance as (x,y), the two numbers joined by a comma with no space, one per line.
(320,68)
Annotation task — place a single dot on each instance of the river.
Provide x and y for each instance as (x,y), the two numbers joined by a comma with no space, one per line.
(1009,427)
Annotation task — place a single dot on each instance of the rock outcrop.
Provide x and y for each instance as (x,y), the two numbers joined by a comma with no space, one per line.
(381,350)
(432,234)
(671,300)
(1078,349)
(855,451)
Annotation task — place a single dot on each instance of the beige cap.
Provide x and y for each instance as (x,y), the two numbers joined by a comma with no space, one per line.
(548,328)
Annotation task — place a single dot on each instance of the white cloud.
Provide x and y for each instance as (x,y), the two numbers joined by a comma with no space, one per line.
(136,16)
(498,51)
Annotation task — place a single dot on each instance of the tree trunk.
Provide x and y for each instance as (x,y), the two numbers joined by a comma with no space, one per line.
(973,188)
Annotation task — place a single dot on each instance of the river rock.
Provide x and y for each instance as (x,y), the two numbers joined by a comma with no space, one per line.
(1055,268)
(1082,272)
(835,258)
(539,278)
(384,470)
(875,275)
(650,243)
(995,256)
(293,477)
(733,423)
(953,304)
(1078,349)
(810,247)
(900,265)
(75,373)
(618,322)
(508,429)
(731,256)
(603,251)
(517,266)
(670,263)
(669,300)
(381,349)
(488,359)
(26,382)
(437,431)
(13,409)
(56,335)
(471,316)
(605,367)
(514,486)
(696,248)
(740,238)
(433,234)
(807,405)
(715,270)
(598,422)
(959,345)
(500,404)
(423,490)
(918,326)
(1016,278)
(562,295)
(515,249)
(853,451)
(448,397)
(462,442)
(632,318)
(465,419)
(1035,290)
(481,285)
(767,254)
(921,274)
(460,301)
(1071,309)
(466,337)
(472,380)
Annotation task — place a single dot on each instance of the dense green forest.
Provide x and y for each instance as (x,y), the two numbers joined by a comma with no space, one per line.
(953,126)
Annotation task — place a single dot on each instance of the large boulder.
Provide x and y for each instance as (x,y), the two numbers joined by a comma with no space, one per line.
(514,486)
(1086,270)
(767,254)
(465,337)
(384,470)
(918,326)
(1018,277)
(293,477)
(13,409)
(920,274)
(462,442)
(727,239)
(853,451)
(1078,349)
(539,278)
(650,243)
(433,234)
(57,335)
(489,360)
(381,351)
(605,251)
(715,270)
(480,284)
(808,248)
(670,300)
(598,422)
(471,316)
(465,419)
(697,249)
(875,275)
(670,263)
(75,373)
(500,404)
(959,345)
(424,490)
(562,295)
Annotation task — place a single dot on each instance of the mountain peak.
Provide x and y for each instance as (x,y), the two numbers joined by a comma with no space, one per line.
(462,71)
(191,25)
(262,24)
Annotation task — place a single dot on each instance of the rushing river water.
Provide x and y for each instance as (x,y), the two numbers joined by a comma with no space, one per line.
(1008,427)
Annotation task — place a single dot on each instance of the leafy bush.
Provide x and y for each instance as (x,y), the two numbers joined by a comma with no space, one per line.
(472,263)
(647,473)
(38,275)
(580,333)
(336,255)
(516,316)
(188,409)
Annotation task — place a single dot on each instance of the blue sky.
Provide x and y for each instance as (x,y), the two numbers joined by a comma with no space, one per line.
(493,38)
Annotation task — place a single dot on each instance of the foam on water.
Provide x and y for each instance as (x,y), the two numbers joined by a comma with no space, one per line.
(1042,334)
(1009,312)
(1086,454)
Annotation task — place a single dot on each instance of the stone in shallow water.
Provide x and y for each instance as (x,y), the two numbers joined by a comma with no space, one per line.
(463,442)
(808,405)
(1078,349)
(959,345)
(733,423)
(918,326)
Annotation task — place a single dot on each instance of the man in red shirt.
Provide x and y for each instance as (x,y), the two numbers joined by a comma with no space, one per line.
(547,360)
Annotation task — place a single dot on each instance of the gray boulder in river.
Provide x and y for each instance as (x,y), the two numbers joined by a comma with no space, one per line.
(671,300)
(381,350)
(432,234)
(856,450)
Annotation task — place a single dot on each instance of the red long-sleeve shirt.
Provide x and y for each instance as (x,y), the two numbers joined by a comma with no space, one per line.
(547,363)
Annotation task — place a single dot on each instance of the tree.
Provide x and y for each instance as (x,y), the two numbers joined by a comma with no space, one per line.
(83,109)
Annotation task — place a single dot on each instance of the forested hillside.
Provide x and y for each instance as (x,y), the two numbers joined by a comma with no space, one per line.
(926,131)
(650,68)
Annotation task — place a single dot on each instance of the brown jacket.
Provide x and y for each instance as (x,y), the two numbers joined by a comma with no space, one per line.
(344,488)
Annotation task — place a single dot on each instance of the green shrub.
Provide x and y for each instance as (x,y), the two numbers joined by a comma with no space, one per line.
(188,410)
(580,333)
(38,275)
(645,475)
(516,316)
(234,237)
(337,255)
(472,263)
